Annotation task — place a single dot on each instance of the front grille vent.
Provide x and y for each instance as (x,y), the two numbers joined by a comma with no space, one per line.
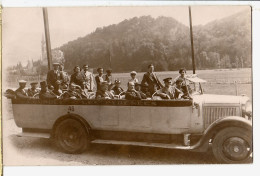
(213,113)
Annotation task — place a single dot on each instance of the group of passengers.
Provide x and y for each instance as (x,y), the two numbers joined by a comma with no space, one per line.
(81,84)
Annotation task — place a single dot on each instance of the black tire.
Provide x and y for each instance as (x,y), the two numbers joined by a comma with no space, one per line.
(233,145)
(72,136)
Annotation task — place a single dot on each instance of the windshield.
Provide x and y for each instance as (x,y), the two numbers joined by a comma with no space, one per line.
(194,88)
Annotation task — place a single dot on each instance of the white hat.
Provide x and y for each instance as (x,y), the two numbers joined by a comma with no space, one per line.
(133,72)
(22,81)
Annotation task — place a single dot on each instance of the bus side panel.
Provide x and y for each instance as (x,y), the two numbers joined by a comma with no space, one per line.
(147,119)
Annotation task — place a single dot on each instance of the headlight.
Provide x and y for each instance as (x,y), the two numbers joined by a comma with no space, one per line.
(247,109)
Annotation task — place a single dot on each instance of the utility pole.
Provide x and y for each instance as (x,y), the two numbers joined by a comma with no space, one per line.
(191,39)
(47,37)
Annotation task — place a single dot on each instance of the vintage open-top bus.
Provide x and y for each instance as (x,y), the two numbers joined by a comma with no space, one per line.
(221,122)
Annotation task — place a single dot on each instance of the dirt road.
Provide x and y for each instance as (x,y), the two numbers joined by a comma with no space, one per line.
(36,151)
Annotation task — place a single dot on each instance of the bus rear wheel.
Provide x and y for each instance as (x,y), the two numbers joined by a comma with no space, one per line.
(233,145)
(71,136)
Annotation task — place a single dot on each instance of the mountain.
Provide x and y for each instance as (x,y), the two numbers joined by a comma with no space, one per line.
(134,43)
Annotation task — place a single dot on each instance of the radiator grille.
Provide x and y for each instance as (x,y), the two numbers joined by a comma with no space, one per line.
(212,113)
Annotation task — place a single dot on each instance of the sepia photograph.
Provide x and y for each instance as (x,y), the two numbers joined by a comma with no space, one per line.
(127,85)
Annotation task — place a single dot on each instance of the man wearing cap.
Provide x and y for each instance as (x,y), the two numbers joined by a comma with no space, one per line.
(103,92)
(100,77)
(131,93)
(133,77)
(88,78)
(152,80)
(45,94)
(117,89)
(33,90)
(167,92)
(109,78)
(54,75)
(21,92)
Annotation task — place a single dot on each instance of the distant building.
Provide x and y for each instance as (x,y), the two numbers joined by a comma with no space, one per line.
(57,55)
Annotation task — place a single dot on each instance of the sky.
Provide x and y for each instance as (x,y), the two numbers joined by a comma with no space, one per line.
(23,28)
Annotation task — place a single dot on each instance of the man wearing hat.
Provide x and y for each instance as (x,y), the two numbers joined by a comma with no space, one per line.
(104,93)
(33,90)
(131,93)
(133,77)
(53,76)
(117,89)
(45,94)
(21,92)
(88,78)
(100,77)
(152,80)
(109,78)
(167,92)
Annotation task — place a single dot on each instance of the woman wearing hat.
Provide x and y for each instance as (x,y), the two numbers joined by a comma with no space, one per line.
(133,77)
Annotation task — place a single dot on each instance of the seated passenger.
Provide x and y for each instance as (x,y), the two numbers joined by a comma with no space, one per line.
(104,93)
(117,89)
(72,93)
(131,93)
(21,92)
(145,90)
(180,90)
(138,89)
(45,94)
(167,92)
(33,90)
(57,88)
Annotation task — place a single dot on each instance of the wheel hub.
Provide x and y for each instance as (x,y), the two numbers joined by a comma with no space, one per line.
(236,148)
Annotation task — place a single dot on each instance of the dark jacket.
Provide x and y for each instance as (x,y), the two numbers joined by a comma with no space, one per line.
(71,94)
(101,95)
(117,90)
(98,80)
(47,95)
(31,92)
(52,77)
(78,79)
(152,81)
(132,95)
(22,93)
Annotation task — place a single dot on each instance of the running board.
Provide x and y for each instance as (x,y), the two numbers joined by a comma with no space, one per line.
(145,144)
(33,134)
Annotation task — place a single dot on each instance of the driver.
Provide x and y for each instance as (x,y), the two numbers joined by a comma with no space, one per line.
(33,90)
(167,92)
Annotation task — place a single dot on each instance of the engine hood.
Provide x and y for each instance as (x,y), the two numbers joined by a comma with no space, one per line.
(227,99)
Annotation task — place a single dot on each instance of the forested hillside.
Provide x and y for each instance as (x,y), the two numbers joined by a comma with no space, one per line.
(134,43)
